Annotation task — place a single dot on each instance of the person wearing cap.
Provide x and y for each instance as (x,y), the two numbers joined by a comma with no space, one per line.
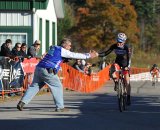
(46,73)
(34,49)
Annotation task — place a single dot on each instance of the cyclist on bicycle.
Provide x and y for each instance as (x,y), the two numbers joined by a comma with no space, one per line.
(155,73)
(122,59)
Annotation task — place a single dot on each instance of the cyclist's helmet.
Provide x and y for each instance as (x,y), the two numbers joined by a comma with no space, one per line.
(154,65)
(121,37)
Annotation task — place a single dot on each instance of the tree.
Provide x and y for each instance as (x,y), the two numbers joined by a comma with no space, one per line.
(99,21)
(148,19)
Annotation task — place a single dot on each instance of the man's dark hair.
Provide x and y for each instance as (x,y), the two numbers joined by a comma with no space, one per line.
(8,41)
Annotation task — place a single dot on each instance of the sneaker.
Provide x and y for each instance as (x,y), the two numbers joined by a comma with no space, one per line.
(153,84)
(62,109)
(20,105)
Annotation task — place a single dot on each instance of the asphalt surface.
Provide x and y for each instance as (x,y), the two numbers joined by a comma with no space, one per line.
(93,111)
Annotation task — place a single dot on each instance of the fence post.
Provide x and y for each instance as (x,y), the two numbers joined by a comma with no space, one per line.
(3,94)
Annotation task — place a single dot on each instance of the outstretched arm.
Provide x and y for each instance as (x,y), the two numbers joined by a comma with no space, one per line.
(105,53)
(68,54)
(102,54)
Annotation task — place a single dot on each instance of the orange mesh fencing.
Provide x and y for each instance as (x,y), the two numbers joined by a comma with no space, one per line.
(77,81)
(73,79)
(135,70)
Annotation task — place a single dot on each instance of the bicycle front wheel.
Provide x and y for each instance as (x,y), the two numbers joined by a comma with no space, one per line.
(120,96)
(124,101)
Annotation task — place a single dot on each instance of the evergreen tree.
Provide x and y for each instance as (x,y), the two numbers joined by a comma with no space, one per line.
(149,23)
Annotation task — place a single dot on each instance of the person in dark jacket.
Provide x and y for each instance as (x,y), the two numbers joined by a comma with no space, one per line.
(122,59)
(23,50)
(77,65)
(6,49)
(16,51)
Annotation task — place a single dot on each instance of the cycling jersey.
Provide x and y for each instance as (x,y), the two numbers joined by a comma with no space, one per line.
(154,70)
(122,54)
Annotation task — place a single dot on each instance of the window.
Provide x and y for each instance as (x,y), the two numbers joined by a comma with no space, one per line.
(15,37)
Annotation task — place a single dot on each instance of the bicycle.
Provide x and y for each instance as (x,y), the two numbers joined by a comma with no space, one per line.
(154,81)
(121,91)
(154,75)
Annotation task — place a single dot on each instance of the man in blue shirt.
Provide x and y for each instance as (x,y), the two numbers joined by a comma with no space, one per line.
(46,73)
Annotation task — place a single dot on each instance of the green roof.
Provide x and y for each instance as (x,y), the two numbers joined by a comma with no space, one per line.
(23,4)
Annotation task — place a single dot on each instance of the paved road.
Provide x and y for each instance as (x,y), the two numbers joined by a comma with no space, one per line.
(95,111)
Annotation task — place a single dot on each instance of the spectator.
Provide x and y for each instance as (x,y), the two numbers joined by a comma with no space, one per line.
(23,50)
(83,63)
(87,68)
(16,51)
(34,49)
(6,49)
(77,65)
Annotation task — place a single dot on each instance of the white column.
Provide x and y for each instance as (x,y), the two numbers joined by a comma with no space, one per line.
(50,33)
(43,35)
(35,28)
(56,32)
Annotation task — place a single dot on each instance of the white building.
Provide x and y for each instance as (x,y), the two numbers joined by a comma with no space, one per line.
(25,21)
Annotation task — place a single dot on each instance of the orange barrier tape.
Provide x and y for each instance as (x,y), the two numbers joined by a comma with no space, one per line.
(75,80)
(135,70)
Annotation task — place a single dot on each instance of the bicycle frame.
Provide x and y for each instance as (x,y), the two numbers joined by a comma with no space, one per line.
(154,79)
(119,76)
(121,92)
